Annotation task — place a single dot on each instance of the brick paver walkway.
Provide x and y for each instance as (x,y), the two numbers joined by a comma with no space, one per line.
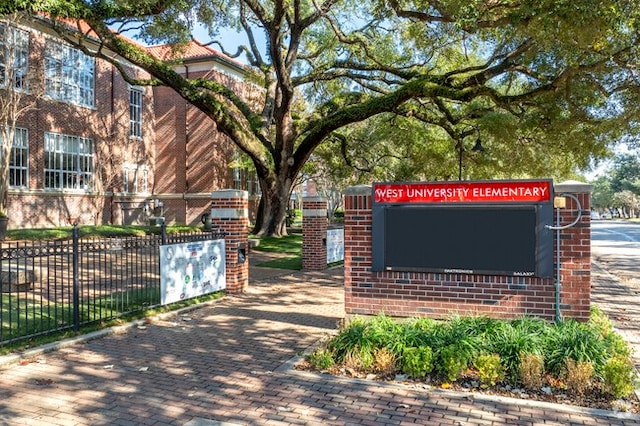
(229,363)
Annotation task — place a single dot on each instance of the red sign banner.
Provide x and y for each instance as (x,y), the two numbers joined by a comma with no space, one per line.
(512,191)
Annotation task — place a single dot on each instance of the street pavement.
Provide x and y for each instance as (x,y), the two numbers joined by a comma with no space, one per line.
(230,363)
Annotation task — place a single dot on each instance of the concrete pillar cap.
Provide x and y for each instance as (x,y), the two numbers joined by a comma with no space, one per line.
(573,186)
(357,190)
(230,193)
(313,198)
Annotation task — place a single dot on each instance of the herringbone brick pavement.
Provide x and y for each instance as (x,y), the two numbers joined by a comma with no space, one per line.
(229,363)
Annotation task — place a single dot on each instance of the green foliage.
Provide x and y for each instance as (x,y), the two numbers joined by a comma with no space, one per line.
(489,368)
(454,360)
(351,336)
(499,350)
(513,338)
(619,376)
(615,344)
(417,362)
(575,340)
(403,100)
(321,359)
(626,174)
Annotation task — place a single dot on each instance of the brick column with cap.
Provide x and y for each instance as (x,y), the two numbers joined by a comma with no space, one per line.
(439,295)
(314,233)
(230,214)
(574,250)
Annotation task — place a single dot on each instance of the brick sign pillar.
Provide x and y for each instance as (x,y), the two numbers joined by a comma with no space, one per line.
(357,248)
(314,233)
(574,250)
(439,295)
(230,214)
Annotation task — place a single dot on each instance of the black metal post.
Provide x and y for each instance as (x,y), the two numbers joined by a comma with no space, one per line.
(163,232)
(460,161)
(76,279)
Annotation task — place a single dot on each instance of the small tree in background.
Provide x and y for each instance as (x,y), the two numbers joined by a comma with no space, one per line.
(16,96)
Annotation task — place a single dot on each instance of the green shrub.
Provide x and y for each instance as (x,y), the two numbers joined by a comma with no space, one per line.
(575,340)
(614,343)
(417,362)
(321,359)
(489,368)
(351,336)
(619,375)
(454,361)
(516,337)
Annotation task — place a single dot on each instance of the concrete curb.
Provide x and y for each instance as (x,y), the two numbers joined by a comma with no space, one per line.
(288,369)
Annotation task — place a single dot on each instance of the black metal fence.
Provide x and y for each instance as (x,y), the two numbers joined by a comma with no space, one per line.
(51,286)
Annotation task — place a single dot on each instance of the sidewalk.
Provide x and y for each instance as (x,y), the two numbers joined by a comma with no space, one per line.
(230,363)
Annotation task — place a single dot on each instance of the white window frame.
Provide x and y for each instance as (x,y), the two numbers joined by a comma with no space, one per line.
(69,162)
(136,95)
(69,74)
(125,179)
(19,159)
(145,181)
(138,187)
(14,42)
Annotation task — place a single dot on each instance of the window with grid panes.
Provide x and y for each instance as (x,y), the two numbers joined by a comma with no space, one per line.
(68,162)
(135,112)
(69,74)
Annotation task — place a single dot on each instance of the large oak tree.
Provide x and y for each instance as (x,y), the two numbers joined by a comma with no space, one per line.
(531,74)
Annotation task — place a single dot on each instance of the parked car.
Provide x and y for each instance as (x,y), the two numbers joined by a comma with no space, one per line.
(605,215)
(595,215)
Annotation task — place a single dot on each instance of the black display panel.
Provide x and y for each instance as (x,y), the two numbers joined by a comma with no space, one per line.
(472,239)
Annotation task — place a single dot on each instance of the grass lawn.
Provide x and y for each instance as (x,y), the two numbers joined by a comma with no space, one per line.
(290,244)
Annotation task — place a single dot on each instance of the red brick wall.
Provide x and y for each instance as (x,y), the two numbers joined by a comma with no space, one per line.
(440,295)
(192,156)
(186,157)
(230,208)
(314,233)
(107,124)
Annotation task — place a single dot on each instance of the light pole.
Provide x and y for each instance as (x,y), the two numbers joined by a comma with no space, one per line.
(477,147)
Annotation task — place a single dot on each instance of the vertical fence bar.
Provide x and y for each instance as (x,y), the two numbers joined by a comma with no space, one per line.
(76,280)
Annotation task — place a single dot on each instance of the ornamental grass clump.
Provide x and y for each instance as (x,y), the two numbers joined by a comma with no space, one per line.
(531,370)
(511,339)
(569,356)
(384,362)
(577,341)
(577,375)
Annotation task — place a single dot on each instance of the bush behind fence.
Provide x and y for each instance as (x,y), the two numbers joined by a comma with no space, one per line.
(52,286)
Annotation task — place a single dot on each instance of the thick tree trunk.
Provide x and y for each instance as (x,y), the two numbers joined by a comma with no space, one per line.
(272,210)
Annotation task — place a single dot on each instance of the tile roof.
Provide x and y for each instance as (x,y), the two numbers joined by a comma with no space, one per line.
(192,50)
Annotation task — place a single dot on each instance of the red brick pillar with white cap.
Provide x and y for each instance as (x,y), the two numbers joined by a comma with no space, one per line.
(574,249)
(230,214)
(314,233)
